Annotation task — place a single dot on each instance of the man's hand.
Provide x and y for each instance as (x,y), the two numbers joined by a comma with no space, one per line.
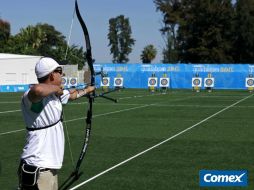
(90,89)
(59,91)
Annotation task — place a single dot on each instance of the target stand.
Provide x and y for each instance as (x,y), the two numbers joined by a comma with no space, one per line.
(152,84)
(196,84)
(249,84)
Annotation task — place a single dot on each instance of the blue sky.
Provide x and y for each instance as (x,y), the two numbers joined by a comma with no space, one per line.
(144,20)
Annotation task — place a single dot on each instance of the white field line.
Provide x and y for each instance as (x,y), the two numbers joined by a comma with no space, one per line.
(140,96)
(98,115)
(176,105)
(113,112)
(158,105)
(197,106)
(2,112)
(221,96)
(71,120)
(138,106)
(128,97)
(14,102)
(9,132)
(155,146)
(103,114)
(137,96)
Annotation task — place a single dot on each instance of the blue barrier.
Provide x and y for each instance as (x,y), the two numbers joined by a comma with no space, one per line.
(13,88)
(227,76)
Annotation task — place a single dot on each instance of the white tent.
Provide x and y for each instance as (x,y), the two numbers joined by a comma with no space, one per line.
(17,69)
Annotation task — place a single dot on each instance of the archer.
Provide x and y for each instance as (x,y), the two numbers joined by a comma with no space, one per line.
(42,111)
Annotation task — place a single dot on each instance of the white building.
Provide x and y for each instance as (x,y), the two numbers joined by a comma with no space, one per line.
(17,72)
(17,69)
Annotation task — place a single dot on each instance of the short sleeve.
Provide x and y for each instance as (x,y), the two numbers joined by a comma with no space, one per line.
(65,97)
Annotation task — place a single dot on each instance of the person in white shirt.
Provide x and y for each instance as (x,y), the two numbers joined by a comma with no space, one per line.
(42,112)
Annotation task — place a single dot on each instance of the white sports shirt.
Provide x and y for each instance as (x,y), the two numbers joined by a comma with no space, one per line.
(44,147)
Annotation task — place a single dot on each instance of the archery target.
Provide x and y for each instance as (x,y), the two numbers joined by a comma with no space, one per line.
(73,81)
(196,82)
(64,81)
(249,82)
(105,81)
(118,81)
(209,82)
(164,82)
(152,81)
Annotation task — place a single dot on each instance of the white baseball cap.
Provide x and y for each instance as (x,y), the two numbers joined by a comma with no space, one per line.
(45,66)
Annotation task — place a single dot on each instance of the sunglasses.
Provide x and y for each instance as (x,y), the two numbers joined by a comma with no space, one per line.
(60,71)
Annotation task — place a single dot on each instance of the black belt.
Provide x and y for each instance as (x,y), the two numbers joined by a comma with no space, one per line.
(41,169)
(44,169)
(45,127)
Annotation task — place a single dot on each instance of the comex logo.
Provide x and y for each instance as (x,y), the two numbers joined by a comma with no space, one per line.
(223,178)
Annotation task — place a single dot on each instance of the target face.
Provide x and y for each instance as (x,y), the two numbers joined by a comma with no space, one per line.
(73,81)
(64,81)
(209,82)
(164,82)
(152,82)
(105,81)
(250,82)
(118,82)
(196,82)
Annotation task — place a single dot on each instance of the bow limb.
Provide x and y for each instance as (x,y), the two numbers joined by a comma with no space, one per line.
(87,42)
(90,96)
(76,174)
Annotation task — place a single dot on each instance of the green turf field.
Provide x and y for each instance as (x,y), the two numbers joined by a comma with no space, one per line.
(185,131)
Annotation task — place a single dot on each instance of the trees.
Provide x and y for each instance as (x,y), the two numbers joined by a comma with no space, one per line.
(171,10)
(54,40)
(169,52)
(211,31)
(5,32)
(205,37)
(120,39)
(148,54)
(30,39)
(41,39)
(201,31)
(244,30)
(75,56)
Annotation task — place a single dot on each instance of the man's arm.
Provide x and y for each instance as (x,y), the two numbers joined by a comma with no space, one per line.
(39,91)
(74,94)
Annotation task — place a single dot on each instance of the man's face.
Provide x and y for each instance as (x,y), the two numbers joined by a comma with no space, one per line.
(57,74)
